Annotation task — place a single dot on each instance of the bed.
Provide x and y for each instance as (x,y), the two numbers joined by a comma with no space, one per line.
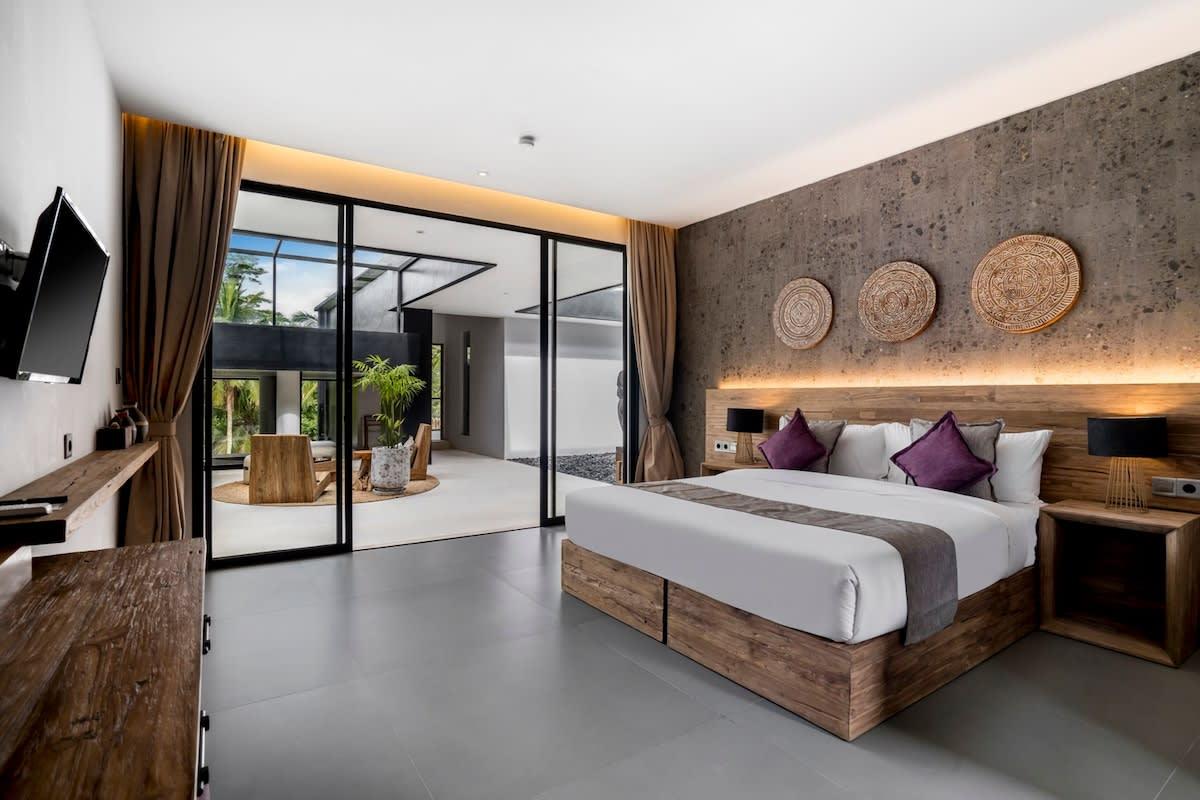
(845,588)
(814,619)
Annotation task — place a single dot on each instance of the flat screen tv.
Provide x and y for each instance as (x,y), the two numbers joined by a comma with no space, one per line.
(48,317)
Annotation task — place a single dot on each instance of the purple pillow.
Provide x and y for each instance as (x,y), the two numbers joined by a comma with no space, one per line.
(794,447)
(941,458)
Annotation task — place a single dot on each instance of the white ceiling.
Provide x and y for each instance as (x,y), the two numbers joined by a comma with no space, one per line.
(668,110)
(514,283)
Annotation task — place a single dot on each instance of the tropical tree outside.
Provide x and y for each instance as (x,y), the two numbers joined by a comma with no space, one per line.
(236,301)
(238,398)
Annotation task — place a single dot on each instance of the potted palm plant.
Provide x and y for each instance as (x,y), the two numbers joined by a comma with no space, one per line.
(397,387)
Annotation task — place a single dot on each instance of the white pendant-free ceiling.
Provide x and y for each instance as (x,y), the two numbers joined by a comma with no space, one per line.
(664,110)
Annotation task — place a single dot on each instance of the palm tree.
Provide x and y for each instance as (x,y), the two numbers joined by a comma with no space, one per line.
(234,302)
(240,398)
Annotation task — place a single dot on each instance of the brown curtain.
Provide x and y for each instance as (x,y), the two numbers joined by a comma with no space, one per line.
(181,185)
(652,301)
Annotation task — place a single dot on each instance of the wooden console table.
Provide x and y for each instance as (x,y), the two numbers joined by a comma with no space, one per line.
(100,675)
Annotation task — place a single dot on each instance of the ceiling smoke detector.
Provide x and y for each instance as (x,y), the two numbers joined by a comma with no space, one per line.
(528,140)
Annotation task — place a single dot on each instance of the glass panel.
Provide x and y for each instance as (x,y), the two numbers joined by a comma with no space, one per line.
(420,283)
(275,370)
(435,392)
(587,322)
(305,293)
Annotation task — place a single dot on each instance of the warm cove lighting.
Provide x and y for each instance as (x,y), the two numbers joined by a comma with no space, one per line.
(1064,377)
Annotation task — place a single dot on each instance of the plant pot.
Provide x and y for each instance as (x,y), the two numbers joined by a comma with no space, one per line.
(390,469)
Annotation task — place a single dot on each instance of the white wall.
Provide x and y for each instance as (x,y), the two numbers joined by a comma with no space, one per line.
(589,360)
(287,401)
(61,126)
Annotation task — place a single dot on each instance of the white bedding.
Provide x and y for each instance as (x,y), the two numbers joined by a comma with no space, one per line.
(843,586)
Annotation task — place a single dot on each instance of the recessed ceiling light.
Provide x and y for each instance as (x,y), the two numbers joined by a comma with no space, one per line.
(483,173)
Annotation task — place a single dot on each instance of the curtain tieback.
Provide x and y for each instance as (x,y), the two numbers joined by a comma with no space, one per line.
(658,422)
(162,428)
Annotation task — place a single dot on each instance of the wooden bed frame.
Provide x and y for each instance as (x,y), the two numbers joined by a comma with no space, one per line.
(847,689)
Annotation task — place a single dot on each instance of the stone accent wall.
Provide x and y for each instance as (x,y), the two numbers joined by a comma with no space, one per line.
(1114,171)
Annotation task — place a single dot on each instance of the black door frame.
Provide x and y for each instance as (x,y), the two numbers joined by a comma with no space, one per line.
(201,396)
(202,411)
(549,373)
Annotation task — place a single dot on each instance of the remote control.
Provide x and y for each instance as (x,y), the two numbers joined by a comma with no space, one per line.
(25,510)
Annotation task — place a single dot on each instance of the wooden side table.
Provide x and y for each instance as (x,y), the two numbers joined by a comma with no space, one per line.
(1123,580)
(717,467)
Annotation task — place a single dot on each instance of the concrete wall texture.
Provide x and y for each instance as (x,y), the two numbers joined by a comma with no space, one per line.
(1113,171)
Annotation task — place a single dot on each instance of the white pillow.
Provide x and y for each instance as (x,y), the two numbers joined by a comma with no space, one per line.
(859,452)
(896,437)
(1018,477)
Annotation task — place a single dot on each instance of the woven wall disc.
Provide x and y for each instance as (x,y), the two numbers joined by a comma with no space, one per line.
(1026,283)
(897,301)
(803,313)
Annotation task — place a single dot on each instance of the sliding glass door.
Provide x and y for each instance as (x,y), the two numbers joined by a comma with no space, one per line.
(585,381)
(273,383)
(517,339)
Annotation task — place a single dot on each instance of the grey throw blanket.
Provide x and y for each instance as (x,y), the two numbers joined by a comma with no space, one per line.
(927,553)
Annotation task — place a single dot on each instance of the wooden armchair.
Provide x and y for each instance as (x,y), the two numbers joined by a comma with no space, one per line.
(281,470)
(420,458)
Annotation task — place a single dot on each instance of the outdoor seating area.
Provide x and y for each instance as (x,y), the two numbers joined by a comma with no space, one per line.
(291,469)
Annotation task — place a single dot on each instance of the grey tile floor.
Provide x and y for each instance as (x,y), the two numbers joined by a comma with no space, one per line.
(457,670)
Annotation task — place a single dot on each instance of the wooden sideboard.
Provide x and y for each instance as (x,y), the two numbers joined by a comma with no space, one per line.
(100,675)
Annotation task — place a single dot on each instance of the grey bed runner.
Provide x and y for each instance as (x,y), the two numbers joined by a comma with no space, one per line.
(927,553)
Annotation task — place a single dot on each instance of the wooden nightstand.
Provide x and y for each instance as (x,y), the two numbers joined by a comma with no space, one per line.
(1120,579)
(717,467)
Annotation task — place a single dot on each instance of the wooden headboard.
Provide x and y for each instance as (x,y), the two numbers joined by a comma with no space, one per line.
(1068,472)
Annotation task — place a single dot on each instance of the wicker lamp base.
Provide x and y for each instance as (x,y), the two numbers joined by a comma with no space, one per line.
(745,449)
(1126,486)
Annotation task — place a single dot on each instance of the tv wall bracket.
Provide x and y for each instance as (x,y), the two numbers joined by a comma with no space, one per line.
(12,265)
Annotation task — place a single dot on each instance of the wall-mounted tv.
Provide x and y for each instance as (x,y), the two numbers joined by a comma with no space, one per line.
(46,321)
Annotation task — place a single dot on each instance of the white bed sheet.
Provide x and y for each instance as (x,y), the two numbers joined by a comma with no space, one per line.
(842,586)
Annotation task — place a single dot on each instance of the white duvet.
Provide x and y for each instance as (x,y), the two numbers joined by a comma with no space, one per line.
(843,586)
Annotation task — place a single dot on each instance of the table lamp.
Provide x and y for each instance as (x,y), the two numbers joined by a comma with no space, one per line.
(1126,440)
(743,422)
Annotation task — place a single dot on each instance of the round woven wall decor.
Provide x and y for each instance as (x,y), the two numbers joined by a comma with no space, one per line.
(803,313)
(1026,283)
(897,301)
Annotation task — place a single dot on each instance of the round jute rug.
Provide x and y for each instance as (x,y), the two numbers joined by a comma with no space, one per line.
(238,492)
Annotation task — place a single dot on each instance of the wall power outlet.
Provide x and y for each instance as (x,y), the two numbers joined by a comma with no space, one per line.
(1175,487)
(725,446)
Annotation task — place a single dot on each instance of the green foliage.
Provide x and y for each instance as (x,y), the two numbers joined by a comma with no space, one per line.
(309,409)
(235,301)
(235,414)
(397,387)
(435,391)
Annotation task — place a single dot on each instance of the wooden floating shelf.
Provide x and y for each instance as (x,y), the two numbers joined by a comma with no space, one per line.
(88,483)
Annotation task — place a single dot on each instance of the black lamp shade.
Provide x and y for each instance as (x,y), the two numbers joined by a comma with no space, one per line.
(744,420)
(1127,437)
